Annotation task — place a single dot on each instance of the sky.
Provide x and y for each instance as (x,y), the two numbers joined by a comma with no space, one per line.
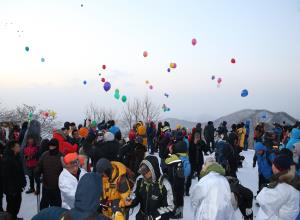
(75,41)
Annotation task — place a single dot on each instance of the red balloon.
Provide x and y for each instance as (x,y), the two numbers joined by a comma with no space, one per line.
(104,67)
(194,41)
(102,79)
(46,114)
(233,61)
(145,54)
(219,80)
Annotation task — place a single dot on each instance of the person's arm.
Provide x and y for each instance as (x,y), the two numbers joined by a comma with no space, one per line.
(67,190)
(168,200)
(135,195)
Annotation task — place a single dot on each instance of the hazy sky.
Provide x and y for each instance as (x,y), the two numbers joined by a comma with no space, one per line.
(263,37)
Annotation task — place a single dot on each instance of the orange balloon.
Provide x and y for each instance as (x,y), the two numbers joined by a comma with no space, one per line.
(83,132)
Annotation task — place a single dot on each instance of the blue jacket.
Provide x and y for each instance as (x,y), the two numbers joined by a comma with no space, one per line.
(53,213)
(265,157)
(295,138)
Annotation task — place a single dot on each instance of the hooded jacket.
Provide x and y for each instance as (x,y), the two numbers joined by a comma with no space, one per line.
(295,138)
(87,197)
(211,196)
(264,158)
(155,197)
(64,146)
(67,183)
(280,200)
(12,173)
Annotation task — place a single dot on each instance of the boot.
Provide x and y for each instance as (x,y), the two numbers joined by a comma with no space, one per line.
(31,190)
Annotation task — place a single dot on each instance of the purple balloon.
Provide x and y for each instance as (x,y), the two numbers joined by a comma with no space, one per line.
(169,70)
(106,86)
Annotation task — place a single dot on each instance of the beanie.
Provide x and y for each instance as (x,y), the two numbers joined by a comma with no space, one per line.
(104,166)
(131,135)
(282,162)
(70,157)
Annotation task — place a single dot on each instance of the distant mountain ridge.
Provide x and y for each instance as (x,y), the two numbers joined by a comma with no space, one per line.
(251,115)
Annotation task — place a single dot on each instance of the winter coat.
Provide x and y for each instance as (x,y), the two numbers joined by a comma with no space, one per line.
(295,138)
(87,196)
(64,146)
(67,183)
(13,177)
(50,167)
(163,146)
(117,187)
(31,156)
(280,200)
(109,150)
(211,198)
(196,155)
(225,156)
(209,133)
(241,135)
(264,157)
(155,197)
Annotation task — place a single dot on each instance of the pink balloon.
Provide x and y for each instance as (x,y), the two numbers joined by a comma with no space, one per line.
(194,41)
(151,87)
(145,54)
(233,61)
(219,80)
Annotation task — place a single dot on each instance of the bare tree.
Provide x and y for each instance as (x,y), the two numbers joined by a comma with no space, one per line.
(99,114)
(150,111)
(127,116)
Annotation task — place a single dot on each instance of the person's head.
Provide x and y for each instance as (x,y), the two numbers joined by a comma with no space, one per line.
(281,163)
(16,128)
(149,169)
(104,168)
(14,146)
(210,123)
(131,135)
(269,138)
(45,144)
(224,123)
(30,140)
(197,137)
(80,126)
(67,125)
(65,131)
(71,161)
(233,127)
(75,134)
(24,125)
(53,144)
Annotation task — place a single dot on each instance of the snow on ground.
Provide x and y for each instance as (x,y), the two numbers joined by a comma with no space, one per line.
(247,175)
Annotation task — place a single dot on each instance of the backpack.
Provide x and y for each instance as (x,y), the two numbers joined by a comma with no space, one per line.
(184,167)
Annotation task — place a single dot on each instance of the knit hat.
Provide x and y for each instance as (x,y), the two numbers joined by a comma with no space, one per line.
(104,166)
(53,142)
(108,136)
(71,158)
(282,162)
(131,135)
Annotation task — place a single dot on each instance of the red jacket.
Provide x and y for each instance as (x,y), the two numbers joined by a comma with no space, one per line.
(31,156)
(64,146)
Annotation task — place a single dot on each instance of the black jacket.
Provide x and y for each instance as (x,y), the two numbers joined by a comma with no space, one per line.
(155,197)
(12,173)
(196,155)
(209,132)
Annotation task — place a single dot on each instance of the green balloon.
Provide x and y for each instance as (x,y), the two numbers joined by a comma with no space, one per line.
(117,91)
(117,95)
(124,98)
(27,49)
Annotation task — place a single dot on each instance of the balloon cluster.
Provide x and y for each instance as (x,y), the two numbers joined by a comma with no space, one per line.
(150,86)
(173,65)
(165,108)
(117,96)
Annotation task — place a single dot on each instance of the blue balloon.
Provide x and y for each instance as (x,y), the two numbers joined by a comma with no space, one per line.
(244,93)
(106,86)
(84,82)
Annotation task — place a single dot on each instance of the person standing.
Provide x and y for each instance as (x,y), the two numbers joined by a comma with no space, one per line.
(50,166)
(209,135)
(14,180)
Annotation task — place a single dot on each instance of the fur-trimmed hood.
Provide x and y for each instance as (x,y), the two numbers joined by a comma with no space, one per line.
(288,177)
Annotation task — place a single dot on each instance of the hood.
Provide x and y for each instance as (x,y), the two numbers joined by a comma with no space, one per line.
(212,167)
(152,163)
(288,177)
(59,135)
(180,147)
(87,196)
(295,133)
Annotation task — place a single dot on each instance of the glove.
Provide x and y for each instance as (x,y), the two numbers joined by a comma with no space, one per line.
(115,206)
(249,211)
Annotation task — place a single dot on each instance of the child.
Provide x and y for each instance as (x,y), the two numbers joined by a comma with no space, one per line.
(31,160)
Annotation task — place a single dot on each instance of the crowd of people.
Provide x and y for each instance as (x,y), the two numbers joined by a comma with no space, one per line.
(92,171)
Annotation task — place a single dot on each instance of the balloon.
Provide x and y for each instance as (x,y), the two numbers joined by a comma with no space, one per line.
(147,81)
(167,95)
(124,98)
(52,113)
(169,70)
(46,114)
(106,86)
(42,60)
(213,77)
(194,41)
(83,132)
(219,80)
(151,87)
(173,65)
(81,5)
(145,54)
(104,67)
(27,49)
(99,74)
(102,79)
(30,116)
(84,82)
(117,95)
(117,91)
(232,61)
(244,93)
